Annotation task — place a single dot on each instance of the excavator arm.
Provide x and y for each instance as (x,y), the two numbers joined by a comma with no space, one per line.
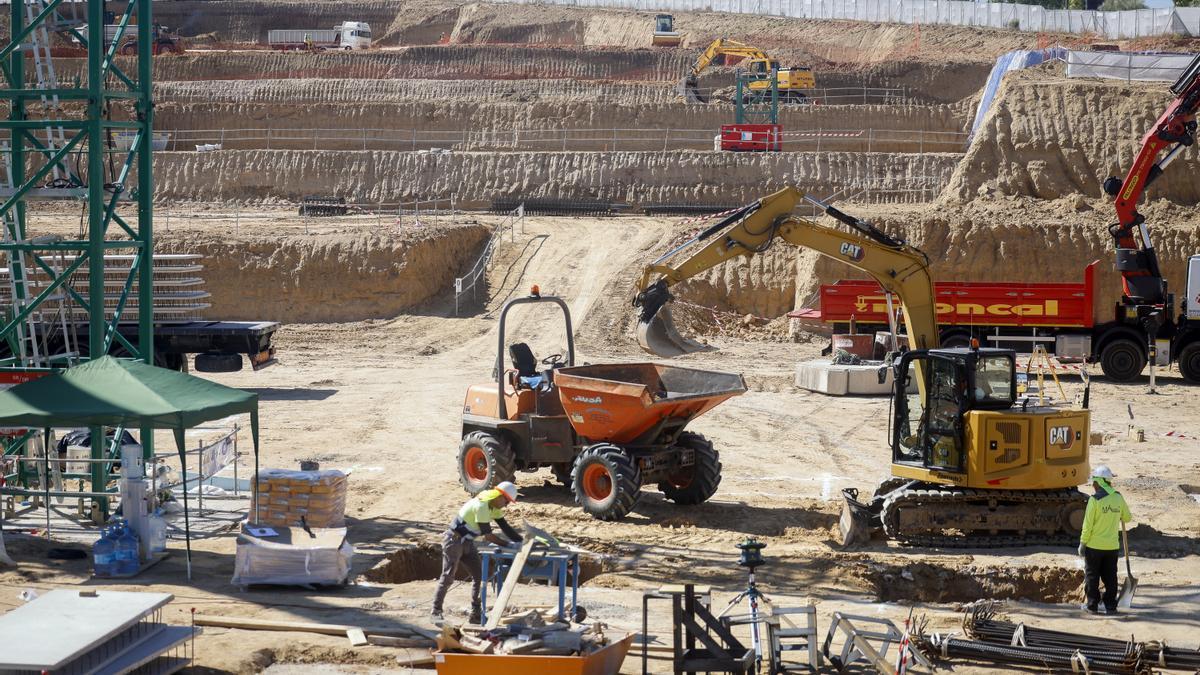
(723,47)
(689,87)
(898,267)
(1174,132)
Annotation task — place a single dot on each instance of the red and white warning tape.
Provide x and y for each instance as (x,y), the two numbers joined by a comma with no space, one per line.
(1176,434)
(824,134)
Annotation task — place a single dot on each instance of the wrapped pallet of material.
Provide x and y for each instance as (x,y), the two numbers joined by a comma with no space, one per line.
(292,556)
(285,496)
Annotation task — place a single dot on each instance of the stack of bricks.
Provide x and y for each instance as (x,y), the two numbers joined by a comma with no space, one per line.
(284,496)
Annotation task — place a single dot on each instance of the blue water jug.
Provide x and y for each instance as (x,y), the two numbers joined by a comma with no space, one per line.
(104,554)
(127,551)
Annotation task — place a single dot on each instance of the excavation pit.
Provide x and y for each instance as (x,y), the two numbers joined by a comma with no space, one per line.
(423,562)
(930,582)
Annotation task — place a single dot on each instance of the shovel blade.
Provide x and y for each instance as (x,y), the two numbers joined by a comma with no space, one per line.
(1127,590)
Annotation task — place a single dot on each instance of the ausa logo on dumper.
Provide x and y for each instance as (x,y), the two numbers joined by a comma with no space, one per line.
(1062,436)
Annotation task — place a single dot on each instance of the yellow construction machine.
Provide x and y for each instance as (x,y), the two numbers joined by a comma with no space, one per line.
(971,465)
(665,34)
(793,82)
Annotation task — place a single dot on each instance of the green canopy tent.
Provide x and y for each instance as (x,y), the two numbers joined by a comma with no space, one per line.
(109,392)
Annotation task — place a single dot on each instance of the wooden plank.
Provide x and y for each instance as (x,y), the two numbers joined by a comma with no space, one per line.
(510,584)
(245,623)
(415,661)
(357,637)
(403,642)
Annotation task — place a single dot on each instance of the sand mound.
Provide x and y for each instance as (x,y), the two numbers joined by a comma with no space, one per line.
(1049,137)
(332,277)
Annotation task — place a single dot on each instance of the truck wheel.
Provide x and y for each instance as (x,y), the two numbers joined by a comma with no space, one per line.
(696,483)
(606,482)
(484,461)
(1189,362)
(1122,360)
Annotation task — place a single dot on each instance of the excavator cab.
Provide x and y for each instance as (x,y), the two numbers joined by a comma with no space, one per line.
(927,422)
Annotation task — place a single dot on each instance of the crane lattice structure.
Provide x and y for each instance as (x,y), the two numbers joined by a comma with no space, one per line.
(81,133)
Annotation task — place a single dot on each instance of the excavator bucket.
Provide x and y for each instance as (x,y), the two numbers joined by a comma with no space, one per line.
(857,521)
(689,89)
(656,331)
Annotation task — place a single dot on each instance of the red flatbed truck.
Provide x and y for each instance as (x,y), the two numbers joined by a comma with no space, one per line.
(1019,315)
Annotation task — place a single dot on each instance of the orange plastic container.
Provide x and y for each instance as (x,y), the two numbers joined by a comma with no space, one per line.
(606,661)
(619,402)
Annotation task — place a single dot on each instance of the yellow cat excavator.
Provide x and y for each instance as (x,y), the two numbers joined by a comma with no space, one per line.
(792,82)
(971,466)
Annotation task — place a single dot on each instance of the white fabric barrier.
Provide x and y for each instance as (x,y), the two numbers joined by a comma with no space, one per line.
(1031,18)
(1127,65)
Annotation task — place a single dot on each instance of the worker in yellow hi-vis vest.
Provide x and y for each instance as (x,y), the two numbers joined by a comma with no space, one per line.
(474,519)
(1100,543)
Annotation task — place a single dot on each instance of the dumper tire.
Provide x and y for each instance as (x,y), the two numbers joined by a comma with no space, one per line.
(606,482)
(484,461)
(697,483)
(1189,362)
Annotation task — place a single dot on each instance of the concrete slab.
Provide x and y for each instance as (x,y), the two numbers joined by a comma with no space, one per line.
(78,622)
(149,650)
(823,376)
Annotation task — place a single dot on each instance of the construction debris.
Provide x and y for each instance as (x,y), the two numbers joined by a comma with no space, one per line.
(531,631)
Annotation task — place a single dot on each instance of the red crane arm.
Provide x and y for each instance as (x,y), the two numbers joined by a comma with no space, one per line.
(1174,132)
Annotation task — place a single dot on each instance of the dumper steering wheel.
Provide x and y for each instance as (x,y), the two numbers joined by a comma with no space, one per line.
(554,361)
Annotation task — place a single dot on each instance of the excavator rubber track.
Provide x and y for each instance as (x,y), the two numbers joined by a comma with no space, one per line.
(938,516)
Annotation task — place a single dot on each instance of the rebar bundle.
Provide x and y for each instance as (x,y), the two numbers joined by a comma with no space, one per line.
(1006,642)
(1052,659)
(558,207)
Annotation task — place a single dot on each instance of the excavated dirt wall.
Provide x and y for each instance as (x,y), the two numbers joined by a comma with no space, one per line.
(250,21)
(1048,137)
(330,277)
(434,62)
(479,178)
(343,91)
(408,23)
(491,126)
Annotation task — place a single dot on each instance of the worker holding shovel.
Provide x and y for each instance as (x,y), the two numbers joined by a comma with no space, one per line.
(474,519)
(1099,545)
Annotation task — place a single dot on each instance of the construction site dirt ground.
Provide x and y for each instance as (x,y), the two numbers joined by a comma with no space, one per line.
(383,397)
(375,361)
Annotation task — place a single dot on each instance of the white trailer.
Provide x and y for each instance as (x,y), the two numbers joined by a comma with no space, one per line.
(347,36)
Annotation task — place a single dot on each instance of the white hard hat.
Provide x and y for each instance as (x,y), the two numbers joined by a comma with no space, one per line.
(508,489)
(1102,471)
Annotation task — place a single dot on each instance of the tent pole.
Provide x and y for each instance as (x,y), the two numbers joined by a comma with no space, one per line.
(46,476)
(187,521)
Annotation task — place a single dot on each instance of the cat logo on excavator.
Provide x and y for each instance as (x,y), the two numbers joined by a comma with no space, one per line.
(852,251)
(1062,436)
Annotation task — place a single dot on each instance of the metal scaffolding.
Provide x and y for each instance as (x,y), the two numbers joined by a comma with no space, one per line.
(87,141)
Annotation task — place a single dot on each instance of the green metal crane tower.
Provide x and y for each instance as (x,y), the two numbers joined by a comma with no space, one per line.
(87,141)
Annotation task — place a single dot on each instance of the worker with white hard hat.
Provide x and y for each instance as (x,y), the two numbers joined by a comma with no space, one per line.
(474,519)
(1099,542)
